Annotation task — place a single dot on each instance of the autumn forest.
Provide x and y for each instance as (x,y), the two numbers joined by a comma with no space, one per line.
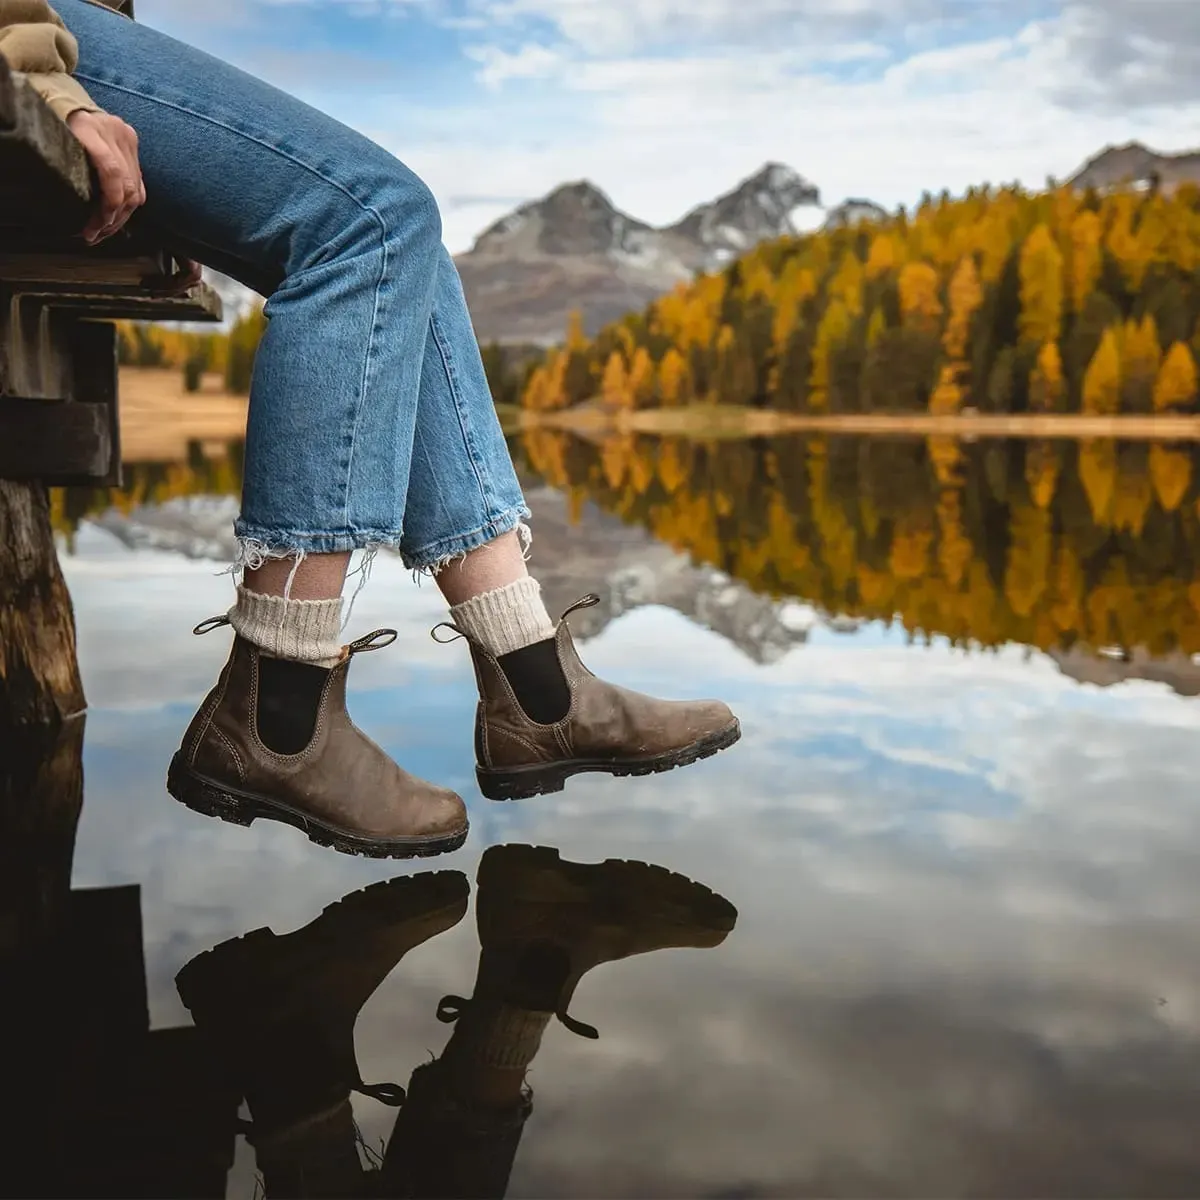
(999,301)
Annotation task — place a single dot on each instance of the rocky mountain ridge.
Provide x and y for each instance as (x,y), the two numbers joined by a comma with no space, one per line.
(573,248)
(1135,163)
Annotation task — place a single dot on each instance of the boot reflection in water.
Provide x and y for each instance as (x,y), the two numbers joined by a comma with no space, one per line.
(279,1013)
(543,924)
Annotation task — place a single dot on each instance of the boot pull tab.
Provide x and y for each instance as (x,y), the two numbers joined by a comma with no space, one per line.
(445,641)
(211,624)
(589,601)
(580,1028)
(450,1008)
(391,1094)
(373,641)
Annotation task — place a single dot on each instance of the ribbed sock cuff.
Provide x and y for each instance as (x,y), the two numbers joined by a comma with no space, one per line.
(302,630)
(507,619)
(507,1038)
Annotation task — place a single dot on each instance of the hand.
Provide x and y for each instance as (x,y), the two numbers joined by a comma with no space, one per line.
(112,147)
(189,274)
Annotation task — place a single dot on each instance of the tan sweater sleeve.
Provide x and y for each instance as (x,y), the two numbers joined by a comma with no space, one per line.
(35,41)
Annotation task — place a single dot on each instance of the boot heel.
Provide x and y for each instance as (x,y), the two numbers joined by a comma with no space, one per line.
(204,798)
(522,782)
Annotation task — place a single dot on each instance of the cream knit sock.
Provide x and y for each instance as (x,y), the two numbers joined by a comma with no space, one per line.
(507,1038)
(507,619)
(303,630)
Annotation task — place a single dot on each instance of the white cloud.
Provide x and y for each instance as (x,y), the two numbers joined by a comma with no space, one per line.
(666,103)
(497,66)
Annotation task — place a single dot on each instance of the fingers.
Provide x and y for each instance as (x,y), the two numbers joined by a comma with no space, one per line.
(186,278)
(112,147)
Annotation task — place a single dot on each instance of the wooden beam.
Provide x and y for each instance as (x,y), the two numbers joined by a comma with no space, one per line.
(201,303)
(78,270)
(59,444)
(94,382)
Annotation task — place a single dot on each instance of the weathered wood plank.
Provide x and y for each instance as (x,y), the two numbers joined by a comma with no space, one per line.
(58,444)
(71,270)
(200,303)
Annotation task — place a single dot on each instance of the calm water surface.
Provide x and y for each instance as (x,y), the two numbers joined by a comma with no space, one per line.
(960,844)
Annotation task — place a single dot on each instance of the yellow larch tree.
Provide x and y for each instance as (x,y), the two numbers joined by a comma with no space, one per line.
(1042,466)
(1041,269)
(831,333)
(1176,385)
(1102,381)
(947,395)
(1122,242)
(912,540)
(1171,475)
(1086,257)
(536,396)
(1132,498)
(674,380)
(641,382)
(614,385)
(919,302)
(883,257)
(1047,387)
(1141,358)
(847,283)
(796,285)
(1098,474)
(954,549)
(965,295)
(1030,553)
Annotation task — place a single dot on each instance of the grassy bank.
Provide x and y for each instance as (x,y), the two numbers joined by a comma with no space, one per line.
(159,417)
(717,421)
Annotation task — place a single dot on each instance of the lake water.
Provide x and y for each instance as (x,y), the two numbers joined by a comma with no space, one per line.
(959,833)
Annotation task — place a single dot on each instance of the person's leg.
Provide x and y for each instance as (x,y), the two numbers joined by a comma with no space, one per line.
(542,715)
(464,507)
(346,241)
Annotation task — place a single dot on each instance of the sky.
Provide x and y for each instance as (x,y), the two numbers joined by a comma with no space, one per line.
(665,104)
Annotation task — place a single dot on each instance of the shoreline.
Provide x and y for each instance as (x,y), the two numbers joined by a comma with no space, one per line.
(707,422)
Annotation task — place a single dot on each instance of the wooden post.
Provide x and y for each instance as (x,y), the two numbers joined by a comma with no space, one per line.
(39,674)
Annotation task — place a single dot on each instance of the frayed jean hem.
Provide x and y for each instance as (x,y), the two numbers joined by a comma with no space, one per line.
(431,559)
(263,544)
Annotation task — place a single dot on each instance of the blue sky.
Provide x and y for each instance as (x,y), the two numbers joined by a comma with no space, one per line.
(666,103)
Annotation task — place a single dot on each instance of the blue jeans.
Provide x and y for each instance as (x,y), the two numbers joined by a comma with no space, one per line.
(371,422)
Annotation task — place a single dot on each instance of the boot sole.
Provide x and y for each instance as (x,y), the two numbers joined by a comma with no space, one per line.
(540,875)
(400,898)
(218,800)
(519,783)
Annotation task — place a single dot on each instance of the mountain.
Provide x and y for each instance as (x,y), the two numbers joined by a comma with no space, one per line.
(758,209)
(575,249)
(1139,165)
